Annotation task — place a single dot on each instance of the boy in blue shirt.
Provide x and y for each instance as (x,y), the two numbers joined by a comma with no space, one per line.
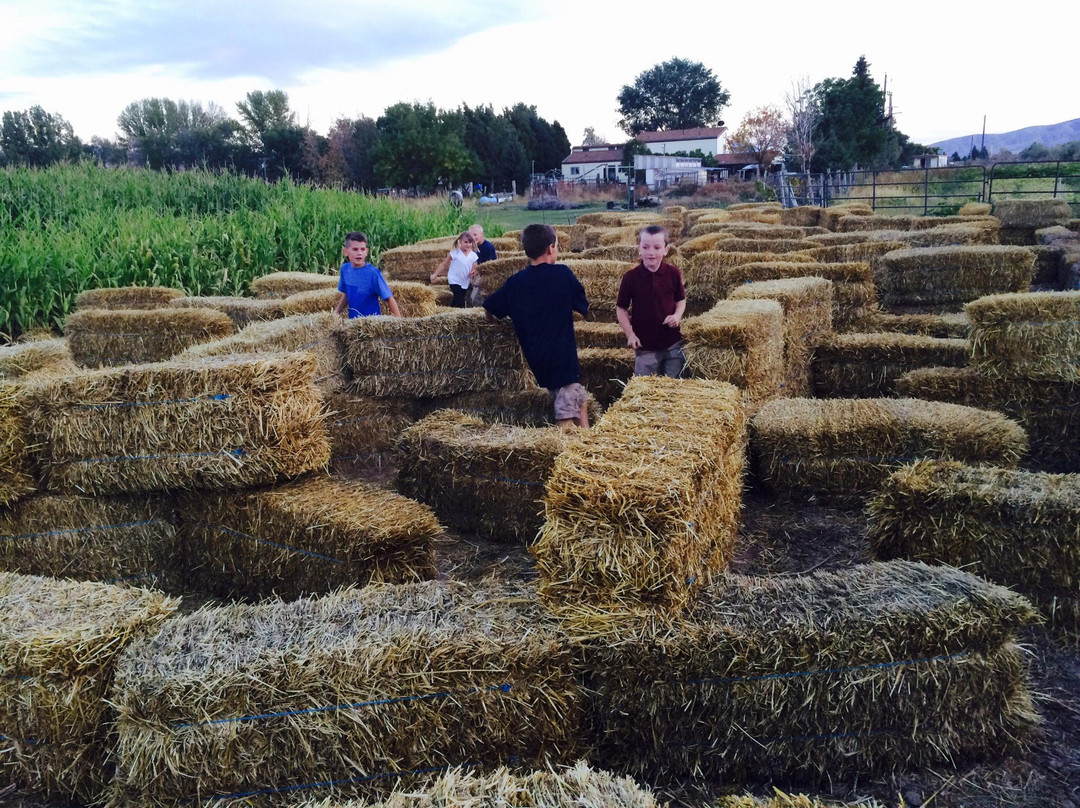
(361,285)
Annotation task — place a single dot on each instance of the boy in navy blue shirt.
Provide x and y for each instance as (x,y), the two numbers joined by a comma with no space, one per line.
(362,286)
(541,300)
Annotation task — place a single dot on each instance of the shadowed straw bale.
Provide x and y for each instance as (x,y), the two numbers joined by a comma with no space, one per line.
(801,216)
(944,326)
(302,538)
(427,357)
(363,428)
(109,539)
(314,301)
(1047,409)
(1034,335)
(605,371)
(807,305)
(601,280)
(532,407)
(1031,213)
(764,245)
(782,800)
(59,641)
(478,477)
(127,297)
(740,342)
(286,284)
(870,251)
(940,278)
(867,365)
(413,299)
(644,509)
(878,668)
(341,694)
(443,298)
(490,275)
(315,334)
(600,218)
(1020,529)
(100,337)
(840,450)
(704,273)
(22,358)
(241,310)
(570,787)
(218,422)
(976,209)
(1051,268)
(971,233)
(16,477)
(599,335)
(830,239)
(412,262)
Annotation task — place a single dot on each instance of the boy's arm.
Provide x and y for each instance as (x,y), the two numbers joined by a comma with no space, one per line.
(623,316)
(342,305)
(673,320)
(391,304)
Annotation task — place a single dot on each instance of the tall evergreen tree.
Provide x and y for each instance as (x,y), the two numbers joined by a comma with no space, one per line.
(853,130)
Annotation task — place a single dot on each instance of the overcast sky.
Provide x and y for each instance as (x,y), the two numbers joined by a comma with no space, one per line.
(948,63)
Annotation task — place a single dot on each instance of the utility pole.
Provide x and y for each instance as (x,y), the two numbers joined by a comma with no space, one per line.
(982,145)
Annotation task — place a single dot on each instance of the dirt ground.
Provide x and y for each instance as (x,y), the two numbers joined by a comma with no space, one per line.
(794,538)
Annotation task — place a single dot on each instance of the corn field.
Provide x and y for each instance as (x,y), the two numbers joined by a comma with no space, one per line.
(74,227)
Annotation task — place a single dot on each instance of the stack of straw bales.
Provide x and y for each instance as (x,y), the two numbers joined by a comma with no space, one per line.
(643,510)
(111,539)
(807,305)
(1020,529)
(16,477)
(952,325)
(241,310)
(364,428)
(43,355)
(605,371)
(878,668)
(1027,335)
(944,278)
(59,641)
(219,422)
(127,298)
(840,450)
(427,357)
(314,301)
(479,477)
(413,299)
(706,276)
(414,262)
(304,538)
(870,251)
(868,365)
(342,693)
(741,342)
(279,285)
(1020,218)
(100,337)
(601,280)
(592,334)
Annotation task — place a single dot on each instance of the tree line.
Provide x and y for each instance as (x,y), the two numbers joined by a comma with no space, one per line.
(410,146)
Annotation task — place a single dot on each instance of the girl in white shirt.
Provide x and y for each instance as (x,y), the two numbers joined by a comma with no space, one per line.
(459,269)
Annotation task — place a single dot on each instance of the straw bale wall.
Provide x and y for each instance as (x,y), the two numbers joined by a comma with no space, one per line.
(840,450)
(412,262)
(867,365)
(1034,335)
(955,325)
(764,245)
(599,335)
(103,337)
(127,297)
(801,216)
(413,299)
(605,371)
(59,642)
(22,358)
(876,669)
(16,469)
(279,285)
(362,429)
(643,510)
(479,477)
(342,694)
(1020,529)
(314,301)
(600,218)
(532,407)
(601,280)
(1031,213)
(219,422)
(942,278)
(740,342)
(976,209)
(241,310)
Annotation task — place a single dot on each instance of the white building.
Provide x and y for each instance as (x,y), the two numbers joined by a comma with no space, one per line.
(930,161)
(706,138)
(601,162)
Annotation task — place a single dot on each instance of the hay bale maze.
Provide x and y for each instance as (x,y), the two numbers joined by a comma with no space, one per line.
(1020,529)
(59,644)
(605,372)
(362,429)
(241,310)
(107,337)
(341,695)
(939,279)
(868,365)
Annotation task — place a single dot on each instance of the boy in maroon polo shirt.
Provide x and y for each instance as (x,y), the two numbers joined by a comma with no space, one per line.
(650,307)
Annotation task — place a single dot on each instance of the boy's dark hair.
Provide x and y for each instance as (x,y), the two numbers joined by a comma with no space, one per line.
(536,238)
(355,235)
(653,230)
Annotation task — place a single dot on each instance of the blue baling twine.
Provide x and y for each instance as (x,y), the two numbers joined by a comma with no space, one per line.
(89,529)
(230,531)
(235,453)
(162,402)
(20,740)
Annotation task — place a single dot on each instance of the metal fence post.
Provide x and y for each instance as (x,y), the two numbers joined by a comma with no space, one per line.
(926,192)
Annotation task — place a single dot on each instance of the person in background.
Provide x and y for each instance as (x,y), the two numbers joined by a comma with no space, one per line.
(650,306)
(458,267)
(361,285)
(484,248)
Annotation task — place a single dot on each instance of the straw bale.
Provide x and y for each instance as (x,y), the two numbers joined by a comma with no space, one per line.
(639,221)
(241,310)
(874,669)
(858,207)
(782,800)
(830,218)
(101,337)
(807,305)
(943,326)
(839,450)
(531,408)
(605,372)
(1020,529)
(764,245)
(1047,409)
(762,216)
(1017,236)
(870,251)
(856,223)
(315,334)
(1035,335)
(976,209)
(128,297)
(413,299)
(109,539)
(504,244)
(802,216)
(601,218)
(59,641)
(478,477)
(740,342)
(342,693)
(443,298)
(440,241)
(22,358)
(619,235)
(599,335)
(628,253)
(703,272)
(934,222)
(286,284)
(315,301)
(775,207)
(1031,213)
(490,275)
(363,428)
(16,474)
(601,280)
(708,215)
(701,242)
(831,239)
(867,365)
(644,509)
(303,538)
(1051,267)
(427,357)
(982,232)
(412,262)
(940,278)
(218,422)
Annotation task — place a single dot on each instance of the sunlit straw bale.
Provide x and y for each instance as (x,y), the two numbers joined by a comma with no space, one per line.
(699,243)
(762,216)
(600,218)
(878,668)
(413,299)
(241,310)
(764,245)
(59,641)
(740,342)
(1033,213)
(840,450)
(942,278)
(867,365)
(478,477)
(127,297)
(16,473)
(599,335)
(976,209)
(285,284)
(218,422)
(643,509)
(100,337)
(605,371)
(783,800)
(314,301)
(341,694)
(21,358)
(412,263)
(1034,335)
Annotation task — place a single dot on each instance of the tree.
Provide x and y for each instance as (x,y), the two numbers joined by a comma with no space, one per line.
(270,128)
(421,147)
(632,148)
(175,134)
(38,138)
(804,111)
(761,134)
(955,157)
(676,94)
(494,141)
(590,138)
(853,130)
(1036,151)
(545,144)
(350,155)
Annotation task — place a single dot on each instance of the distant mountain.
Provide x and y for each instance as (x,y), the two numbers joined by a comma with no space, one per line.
(1052,135)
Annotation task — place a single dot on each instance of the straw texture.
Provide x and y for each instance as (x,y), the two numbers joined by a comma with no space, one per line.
(944,278)
(285,284)
(16,477)
(1034,335)
(241,310)
(867,365)
(127,297)
(22,358)
(100,337)
(605,372)
(741,342)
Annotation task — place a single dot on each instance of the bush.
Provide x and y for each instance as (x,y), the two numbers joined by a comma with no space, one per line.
(547,203)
